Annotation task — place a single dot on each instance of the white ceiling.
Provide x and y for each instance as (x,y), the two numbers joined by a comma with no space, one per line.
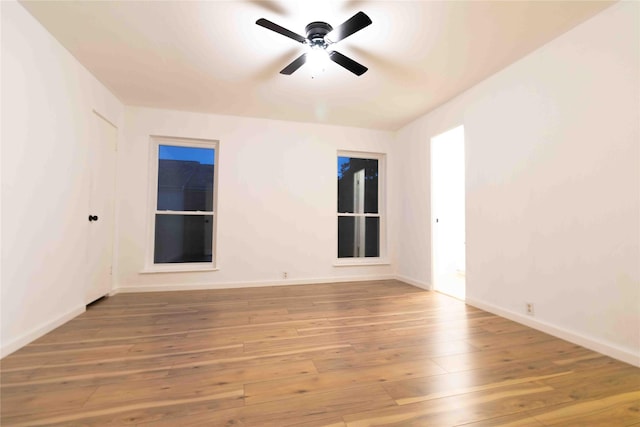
(210,56)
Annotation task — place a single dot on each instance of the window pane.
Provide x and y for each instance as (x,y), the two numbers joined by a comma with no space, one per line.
(357,185)
(183,238)
(185,178)
(358,237)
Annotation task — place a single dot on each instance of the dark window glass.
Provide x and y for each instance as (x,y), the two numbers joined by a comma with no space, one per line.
(185,178)
(358,236)
(357,185)
(183,238)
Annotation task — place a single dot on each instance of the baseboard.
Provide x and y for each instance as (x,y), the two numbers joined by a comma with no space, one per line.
(613,351)
(41,330)
(249,284)
(413,282)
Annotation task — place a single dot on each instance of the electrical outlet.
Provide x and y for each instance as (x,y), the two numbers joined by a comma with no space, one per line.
(529,308)
(285,275)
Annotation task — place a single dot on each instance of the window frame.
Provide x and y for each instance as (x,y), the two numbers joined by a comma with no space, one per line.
(152,209)
(381,259)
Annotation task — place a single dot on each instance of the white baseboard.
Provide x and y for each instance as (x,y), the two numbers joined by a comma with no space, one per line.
(416,283)
(251,284)
(610,350)
(41,330)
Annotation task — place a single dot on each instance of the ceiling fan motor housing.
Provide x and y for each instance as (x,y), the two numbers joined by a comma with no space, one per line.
(316,32)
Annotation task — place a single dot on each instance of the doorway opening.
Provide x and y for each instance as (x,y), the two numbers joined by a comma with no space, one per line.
(448,213)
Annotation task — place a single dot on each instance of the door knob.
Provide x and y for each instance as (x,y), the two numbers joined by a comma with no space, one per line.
(93,218)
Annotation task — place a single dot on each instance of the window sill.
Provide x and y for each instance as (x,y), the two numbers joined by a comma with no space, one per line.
(359,262)
(154,269)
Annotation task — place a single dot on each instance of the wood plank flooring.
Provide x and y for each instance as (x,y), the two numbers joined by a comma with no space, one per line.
(335,355)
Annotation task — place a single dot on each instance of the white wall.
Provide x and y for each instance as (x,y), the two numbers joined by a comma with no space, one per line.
(276,202)
(47,106)
(553,186)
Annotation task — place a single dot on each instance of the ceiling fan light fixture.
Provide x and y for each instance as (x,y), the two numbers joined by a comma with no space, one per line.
(317,60)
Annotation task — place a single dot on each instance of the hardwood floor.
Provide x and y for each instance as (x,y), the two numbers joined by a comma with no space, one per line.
(333,355)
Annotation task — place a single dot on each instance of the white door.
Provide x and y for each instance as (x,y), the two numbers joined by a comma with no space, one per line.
(447,212)
(102,161)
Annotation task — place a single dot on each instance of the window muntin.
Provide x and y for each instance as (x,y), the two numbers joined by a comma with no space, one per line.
(359,203)
(184,202)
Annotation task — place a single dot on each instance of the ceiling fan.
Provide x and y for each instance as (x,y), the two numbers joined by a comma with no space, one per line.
(320,37)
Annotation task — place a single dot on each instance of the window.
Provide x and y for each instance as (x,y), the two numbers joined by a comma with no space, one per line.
(183,201)
(360,205)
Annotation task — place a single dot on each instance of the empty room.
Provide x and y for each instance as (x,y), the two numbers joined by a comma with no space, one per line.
(320,214)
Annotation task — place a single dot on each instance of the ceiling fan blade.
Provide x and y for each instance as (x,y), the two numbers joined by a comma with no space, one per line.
(280,30)
(350,26)
(271,6)
(297,63)
(348,63)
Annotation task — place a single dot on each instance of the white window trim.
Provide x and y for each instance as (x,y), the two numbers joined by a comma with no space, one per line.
(358,262)
(154,143)
(382,211)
